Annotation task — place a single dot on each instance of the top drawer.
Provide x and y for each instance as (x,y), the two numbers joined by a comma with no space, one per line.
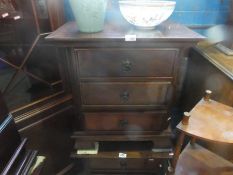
(126,62)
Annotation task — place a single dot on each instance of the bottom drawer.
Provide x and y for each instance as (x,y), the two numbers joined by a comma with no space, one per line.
(141,121)
(155,165)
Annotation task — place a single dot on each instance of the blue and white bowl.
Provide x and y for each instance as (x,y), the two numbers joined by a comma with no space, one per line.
(146,14)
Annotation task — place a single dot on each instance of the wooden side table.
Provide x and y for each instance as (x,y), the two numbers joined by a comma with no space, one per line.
(197,160)
(208,120)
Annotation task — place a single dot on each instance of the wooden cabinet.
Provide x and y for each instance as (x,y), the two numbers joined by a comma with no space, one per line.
(123,91)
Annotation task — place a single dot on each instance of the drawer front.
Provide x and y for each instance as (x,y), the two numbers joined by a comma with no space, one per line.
(144,121)
(126,164)
(126,63)
(105,94)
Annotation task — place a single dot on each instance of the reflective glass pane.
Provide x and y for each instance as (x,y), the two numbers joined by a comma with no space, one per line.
(6,73)
(26,89)
(43,62)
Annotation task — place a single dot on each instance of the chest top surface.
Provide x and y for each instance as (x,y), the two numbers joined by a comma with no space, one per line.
(167,31)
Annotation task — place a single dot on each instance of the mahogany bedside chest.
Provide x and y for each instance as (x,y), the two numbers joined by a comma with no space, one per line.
(124,82)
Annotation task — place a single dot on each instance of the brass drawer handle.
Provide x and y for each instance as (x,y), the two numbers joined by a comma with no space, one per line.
(126,66)
(124,96)
(123,123)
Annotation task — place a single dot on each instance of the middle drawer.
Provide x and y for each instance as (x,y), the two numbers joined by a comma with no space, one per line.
(120,93)
(128,121)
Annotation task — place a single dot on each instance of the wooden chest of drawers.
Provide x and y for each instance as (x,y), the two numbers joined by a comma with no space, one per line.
(123,90)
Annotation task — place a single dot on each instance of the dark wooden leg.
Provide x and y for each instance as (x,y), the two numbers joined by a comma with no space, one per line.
(193,141)
(178,150)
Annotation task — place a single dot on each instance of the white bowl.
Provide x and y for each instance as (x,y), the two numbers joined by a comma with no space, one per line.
(146,14)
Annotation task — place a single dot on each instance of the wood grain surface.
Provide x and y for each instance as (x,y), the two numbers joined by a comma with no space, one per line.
(198,160)
(211,121)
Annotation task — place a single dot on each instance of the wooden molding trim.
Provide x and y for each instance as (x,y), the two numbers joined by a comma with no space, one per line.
(33,113)
(42,119)
(41,109)
(32,105)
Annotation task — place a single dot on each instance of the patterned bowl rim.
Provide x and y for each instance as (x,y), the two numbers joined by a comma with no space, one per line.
(149,3)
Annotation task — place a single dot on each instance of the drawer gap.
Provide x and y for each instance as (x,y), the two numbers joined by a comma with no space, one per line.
(133,149)
(126,146)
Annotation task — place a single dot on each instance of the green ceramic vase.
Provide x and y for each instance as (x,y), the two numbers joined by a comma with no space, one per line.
(89,14)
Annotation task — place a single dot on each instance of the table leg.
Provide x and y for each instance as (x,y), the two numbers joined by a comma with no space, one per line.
(178,150)
(193,141)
